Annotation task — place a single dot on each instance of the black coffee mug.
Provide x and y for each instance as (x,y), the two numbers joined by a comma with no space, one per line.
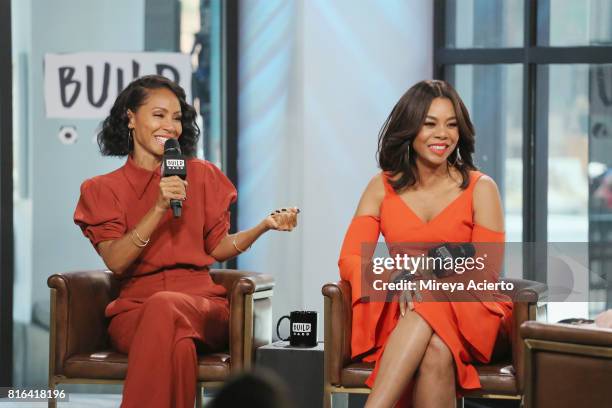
(302,329)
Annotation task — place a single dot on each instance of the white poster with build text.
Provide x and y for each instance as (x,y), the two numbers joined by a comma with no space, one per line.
(85,85)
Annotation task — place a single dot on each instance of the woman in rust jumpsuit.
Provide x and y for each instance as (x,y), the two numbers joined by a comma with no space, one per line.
(168,304)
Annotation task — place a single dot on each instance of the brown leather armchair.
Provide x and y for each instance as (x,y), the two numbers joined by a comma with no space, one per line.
(503,379)
(79,346)
(567,366)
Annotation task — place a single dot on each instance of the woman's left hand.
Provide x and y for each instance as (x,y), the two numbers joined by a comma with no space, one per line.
(408,297)
(283,219)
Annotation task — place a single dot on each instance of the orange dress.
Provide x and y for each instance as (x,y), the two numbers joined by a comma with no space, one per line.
(469,329)
(168,303)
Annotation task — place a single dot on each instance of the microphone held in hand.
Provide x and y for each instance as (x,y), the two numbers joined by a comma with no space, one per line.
(173,164)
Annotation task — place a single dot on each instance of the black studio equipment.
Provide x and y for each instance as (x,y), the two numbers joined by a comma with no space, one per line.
(173,164)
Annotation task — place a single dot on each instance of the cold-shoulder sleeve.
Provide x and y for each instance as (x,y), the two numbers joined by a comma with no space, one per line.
(220,193)
(484,234)
(364,229)
(491,243)
(98,213)
(488,243)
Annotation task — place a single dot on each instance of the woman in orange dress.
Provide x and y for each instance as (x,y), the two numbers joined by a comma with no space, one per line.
(168,305)
(429,192)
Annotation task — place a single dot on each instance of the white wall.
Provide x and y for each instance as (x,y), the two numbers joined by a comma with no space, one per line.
(317,80)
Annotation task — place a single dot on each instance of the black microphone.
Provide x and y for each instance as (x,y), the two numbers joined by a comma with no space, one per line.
(448,251)
(173,164)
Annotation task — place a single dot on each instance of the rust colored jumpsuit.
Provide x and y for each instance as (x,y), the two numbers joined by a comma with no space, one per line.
(469,329)
(168,304)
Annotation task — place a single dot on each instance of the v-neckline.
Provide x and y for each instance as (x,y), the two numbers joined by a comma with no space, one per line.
(435,217)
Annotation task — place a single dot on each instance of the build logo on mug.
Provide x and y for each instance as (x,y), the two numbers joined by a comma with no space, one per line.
(302,328)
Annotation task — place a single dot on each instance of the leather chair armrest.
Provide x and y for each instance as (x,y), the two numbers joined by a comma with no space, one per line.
(339,316)
(566,365)
(250,298)
(78,324)
(248,282)
(525,296)
(527,291)
(567,333)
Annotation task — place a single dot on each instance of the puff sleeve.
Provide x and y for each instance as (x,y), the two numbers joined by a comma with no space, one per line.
(219,194)
(99,214)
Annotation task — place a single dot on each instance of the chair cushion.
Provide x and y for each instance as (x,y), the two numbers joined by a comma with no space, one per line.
(494,378)
(110,365)
(355,374)
(214,367)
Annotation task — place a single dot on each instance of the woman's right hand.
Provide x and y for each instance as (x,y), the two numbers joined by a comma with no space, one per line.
(284,219)
(171,188)
(405,302)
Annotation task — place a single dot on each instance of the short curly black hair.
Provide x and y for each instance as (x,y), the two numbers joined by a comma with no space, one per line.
(114,137)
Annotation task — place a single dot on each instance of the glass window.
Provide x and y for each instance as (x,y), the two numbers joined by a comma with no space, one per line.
(201,36)
(568,191)
(579,128)
(568,151)
(484,23)
(494,101)
(576,23)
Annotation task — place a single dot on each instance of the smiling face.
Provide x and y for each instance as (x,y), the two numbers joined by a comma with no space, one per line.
(439,134)
(154,122)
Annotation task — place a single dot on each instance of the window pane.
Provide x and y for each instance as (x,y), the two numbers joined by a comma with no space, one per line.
(574,23)
(484,23)
(580,165)
(207,78)
(568,146)
(493,96)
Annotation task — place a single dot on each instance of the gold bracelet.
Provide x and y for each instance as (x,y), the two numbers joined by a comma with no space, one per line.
(143,241)
(236,246)
(143,244)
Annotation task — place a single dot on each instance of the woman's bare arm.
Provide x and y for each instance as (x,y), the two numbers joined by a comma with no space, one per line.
(488,211)
(233,244)
(372,197)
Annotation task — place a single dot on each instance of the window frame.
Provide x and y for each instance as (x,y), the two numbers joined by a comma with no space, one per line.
(7,265)
(229,127)
(536,20)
